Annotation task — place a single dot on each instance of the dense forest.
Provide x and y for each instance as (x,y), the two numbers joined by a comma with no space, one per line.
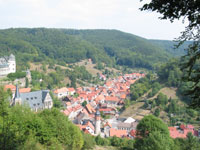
(63,46)
(171,46)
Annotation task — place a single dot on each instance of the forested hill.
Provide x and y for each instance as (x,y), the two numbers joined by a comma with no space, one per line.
(169,46)
(68,46)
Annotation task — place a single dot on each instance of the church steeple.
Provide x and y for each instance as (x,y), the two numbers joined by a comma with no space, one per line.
(97,121)
(17,99)
(17,94)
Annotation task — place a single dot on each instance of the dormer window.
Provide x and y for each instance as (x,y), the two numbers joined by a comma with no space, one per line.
(31,98)
(27,99)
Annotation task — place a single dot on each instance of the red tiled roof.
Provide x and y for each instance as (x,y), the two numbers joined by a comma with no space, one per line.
(189,126)
(110,98)
(24,90)
(174,133)
(13,88)
(10,86)
(172,128)
(61,90)
(90,109)
(105,109)
(133,133)
(71,89)
(123,96)
(118,133)
(182,126)
(90,125)
(108,124)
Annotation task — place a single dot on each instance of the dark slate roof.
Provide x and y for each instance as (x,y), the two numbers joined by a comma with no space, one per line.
(17,95)
(121,119)
(97,111)
(34,99)
(127,125)
(3,65)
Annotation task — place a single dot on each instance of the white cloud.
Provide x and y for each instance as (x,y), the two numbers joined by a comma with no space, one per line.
(113,14)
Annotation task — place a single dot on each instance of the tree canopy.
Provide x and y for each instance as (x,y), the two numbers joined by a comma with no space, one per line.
(20,128)
(187,10)
(153,134)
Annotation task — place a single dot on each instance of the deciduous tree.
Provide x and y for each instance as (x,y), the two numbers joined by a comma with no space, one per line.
(187,10)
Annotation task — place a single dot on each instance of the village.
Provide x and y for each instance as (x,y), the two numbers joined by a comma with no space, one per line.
(95,110)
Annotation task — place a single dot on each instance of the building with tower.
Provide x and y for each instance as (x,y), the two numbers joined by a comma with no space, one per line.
(28,75)
(97,121)
(7,65)
(17,99)
(37,100)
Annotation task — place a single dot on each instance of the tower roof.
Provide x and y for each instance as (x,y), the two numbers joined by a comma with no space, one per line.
(97,111)
(17,94)
(12,57)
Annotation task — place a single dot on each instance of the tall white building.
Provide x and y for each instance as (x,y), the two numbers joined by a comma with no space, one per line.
(7,65)
(97,121)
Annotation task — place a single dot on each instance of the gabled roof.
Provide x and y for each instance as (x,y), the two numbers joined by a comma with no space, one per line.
(90,109)
(108,124)
(71,89)
(182,126)
(10,86)
(189,126)
(123,96)
(133,133)
(118,133)
(25,90)
(89,124)
(111,98)
(61,90)
(129,120)
(35,98)
(172,128)
(13,88)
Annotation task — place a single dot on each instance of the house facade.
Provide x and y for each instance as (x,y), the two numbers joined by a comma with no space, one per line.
(7,65)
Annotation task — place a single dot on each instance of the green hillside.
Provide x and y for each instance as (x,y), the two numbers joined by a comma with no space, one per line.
(127,49)
(169,46)
(68,46)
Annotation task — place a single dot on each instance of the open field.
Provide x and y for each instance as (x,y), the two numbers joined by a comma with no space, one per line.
(136,111)
(168,91)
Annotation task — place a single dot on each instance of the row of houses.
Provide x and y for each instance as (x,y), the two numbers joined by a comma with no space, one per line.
(98,100)
(108,97)
(182,131)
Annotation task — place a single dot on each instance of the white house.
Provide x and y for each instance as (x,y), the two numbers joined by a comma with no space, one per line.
(7,65)
(62,92)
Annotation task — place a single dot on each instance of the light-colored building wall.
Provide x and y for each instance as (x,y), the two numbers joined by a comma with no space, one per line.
(7,65)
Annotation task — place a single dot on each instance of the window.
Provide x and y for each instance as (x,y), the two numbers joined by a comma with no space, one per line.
(35,97)
(31,98)
(27,99)
(34,104)
(38,104)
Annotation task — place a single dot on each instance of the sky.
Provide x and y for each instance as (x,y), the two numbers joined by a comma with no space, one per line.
(122,15)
